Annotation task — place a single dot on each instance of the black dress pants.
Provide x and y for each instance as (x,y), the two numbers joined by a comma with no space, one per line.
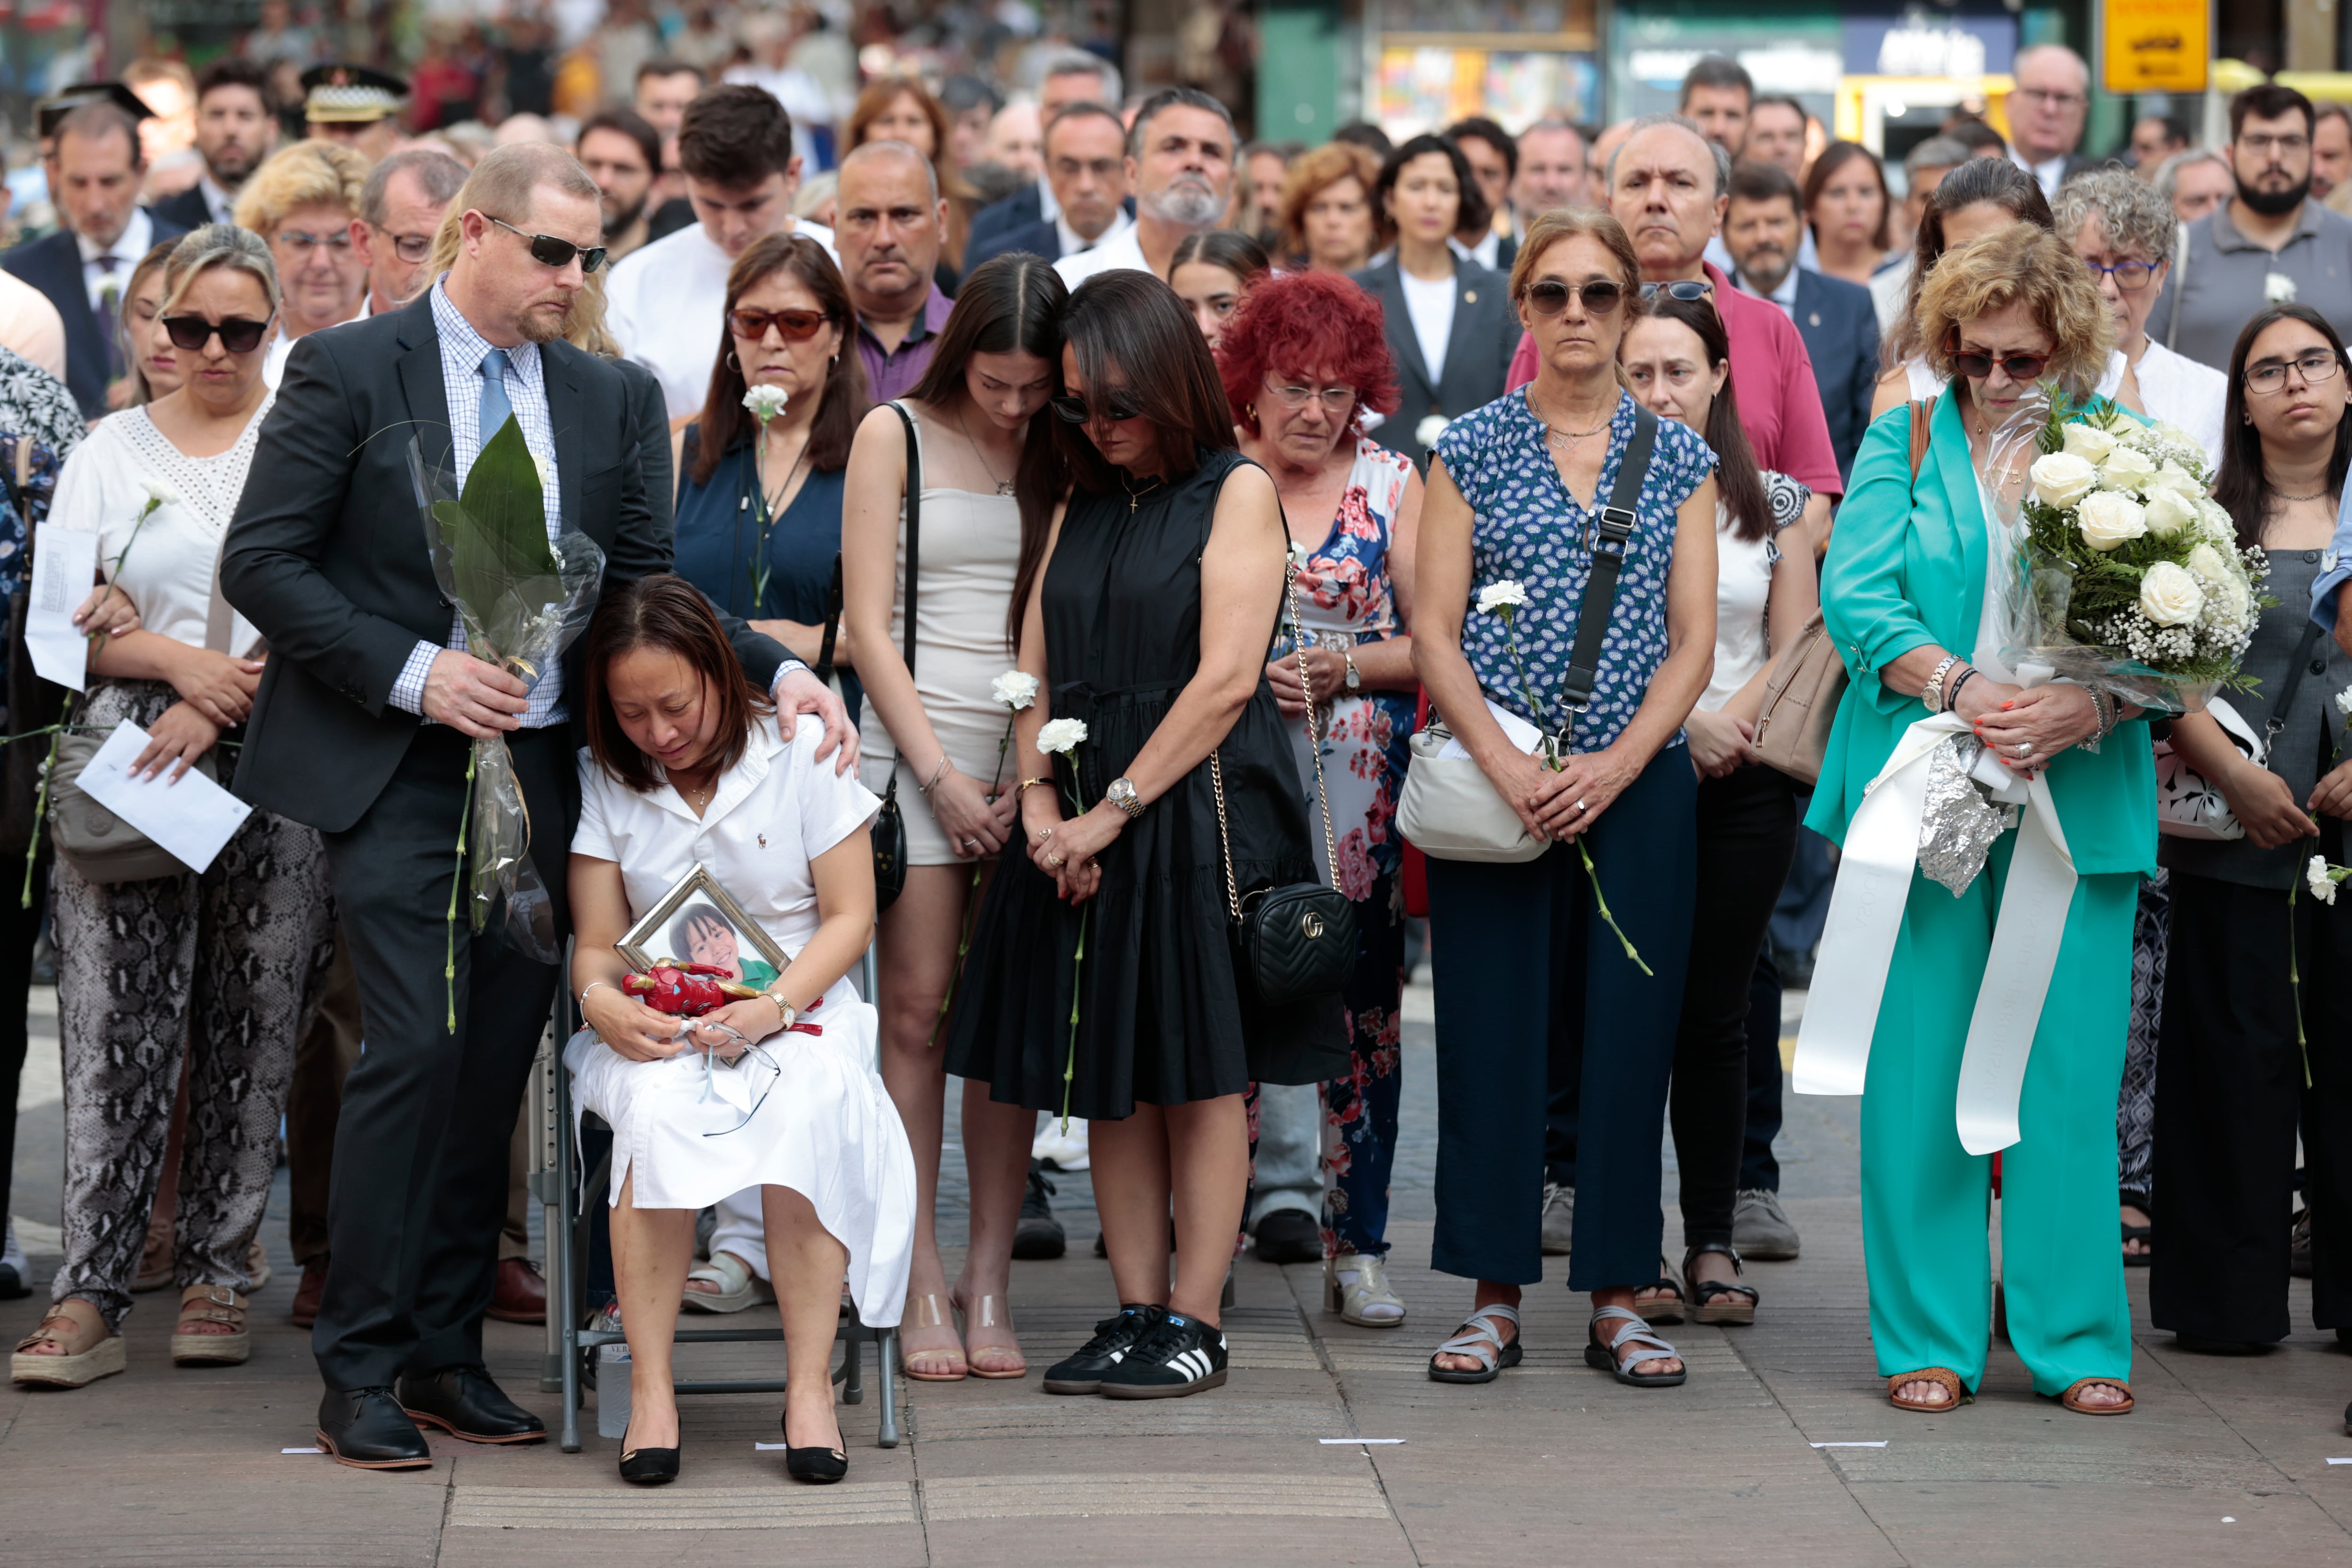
(420,1166)
(2230,1096)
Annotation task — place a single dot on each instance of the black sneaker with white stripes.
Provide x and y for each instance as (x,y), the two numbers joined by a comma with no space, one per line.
(1181,1356)
(1083,1372)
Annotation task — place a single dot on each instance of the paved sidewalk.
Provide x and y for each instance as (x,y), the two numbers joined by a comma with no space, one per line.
(2225,1461)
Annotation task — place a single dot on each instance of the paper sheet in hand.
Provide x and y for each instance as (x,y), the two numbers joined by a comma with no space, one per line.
(192,818)
(64,568)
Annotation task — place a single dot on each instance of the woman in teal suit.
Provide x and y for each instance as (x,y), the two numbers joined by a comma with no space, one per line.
(1903,596)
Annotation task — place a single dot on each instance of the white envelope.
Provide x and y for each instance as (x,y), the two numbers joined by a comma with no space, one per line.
(192,818)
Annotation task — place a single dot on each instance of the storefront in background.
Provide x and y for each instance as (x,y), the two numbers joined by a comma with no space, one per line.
(1430,62)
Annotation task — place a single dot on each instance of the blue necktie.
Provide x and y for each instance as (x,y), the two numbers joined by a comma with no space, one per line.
(495,407)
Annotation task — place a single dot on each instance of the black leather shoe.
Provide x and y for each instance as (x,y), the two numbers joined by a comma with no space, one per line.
(463,1401)
(817,1466)
(1286,1236)
(647,1467)
(366,1428)
(1039,1236)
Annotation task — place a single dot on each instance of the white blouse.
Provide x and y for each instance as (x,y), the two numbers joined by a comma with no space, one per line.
(1743,589)
(170,570)
(2177,390)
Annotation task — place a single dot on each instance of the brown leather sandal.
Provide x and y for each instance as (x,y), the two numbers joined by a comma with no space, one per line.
(100,1355)
(1943,1377)
(211,1304)
(2071,1398)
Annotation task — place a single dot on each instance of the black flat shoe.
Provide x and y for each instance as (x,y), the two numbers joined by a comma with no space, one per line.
(647,1467)
(366,1429)
(463,1401)
(818,1466)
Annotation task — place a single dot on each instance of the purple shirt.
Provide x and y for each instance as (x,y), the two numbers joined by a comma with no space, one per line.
(894,374)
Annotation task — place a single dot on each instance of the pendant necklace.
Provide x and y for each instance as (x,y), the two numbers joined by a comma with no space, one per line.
(1004,487)
(775,499)
(1135,497)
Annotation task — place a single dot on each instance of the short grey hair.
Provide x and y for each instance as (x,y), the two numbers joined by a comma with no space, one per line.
(504,183)
(2136,216)
(2168,173)
(440,175)
(2018,62)
(1553,122)
(868,152)
(1168,98)
(218,245)
(1078,62)
(1936,152)
(1680,122)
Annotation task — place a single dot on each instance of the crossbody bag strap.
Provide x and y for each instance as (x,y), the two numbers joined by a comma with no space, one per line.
(1609,539)
(1314,750)
(914,522)
(2276,725)
(832,623)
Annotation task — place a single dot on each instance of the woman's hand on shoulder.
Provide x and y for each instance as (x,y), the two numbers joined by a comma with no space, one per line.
(633,1029)
(1720,742)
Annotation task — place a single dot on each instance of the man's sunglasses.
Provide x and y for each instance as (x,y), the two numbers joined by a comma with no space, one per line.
(1549,298)
(237,335)
(1072,409)
(549,251)
(2020,368)
(793,326)
(1689,291)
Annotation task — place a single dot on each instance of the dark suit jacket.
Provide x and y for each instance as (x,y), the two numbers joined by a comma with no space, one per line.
(53,265)
(1019,210)
(186,210)
(1841,332)
(326,555)
(1478,351)
(1039,238)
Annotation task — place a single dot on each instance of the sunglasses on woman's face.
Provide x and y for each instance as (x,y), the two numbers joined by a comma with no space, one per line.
(1072,409)
(793,326)
(237,335)
(2020,368)
(1549,297)
(549,251)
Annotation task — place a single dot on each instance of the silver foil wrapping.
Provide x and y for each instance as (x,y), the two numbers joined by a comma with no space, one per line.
(1961,820)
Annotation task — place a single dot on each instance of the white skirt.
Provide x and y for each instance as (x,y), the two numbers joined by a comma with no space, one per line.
(823,1126)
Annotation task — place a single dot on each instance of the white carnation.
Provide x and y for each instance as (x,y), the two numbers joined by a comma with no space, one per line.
(2344,702)
(2323,886)
(2169,512)
(1015,689)
(2061,478)
(2170,596)
(2107,520)
(2126,469)
(1498,596)
(159,493)
(1431,428)
(2089,442)
(1063,735)
(2278,288)
(765,402)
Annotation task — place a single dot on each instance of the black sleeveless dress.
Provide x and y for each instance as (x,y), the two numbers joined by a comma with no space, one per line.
(1160,1018)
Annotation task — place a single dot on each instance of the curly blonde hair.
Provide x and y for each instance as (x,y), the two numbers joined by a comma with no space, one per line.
(1313,173)
(2020,264)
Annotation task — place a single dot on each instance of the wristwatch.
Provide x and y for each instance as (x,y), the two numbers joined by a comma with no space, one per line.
(1120,793)
(1355,676)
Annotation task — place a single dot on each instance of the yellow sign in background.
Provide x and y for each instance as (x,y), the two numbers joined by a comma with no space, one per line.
(2157,45)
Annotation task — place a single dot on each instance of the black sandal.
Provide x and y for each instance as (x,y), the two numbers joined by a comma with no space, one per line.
(1662,1309)
(1719,1301)
(2145,1236)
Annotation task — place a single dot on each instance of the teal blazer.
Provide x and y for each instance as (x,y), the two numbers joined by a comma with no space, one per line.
(1907,570)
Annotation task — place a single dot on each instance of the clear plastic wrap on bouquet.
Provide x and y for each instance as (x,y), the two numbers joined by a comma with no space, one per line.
(523,598)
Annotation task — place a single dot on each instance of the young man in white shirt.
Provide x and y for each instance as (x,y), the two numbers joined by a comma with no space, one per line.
(1180,159)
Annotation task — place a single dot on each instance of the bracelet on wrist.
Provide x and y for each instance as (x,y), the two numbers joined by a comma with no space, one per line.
(582,998)
(937,775)
(1952,698)
(1023,789)
(1932,694)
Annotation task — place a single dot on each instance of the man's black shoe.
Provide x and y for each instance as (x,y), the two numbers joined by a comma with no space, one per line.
(1083,1372)
(463,1401)
(367,1429)
(1286,1236)
(1038,1236)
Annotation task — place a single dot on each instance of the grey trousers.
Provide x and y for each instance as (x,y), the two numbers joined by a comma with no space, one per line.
(1289,1150)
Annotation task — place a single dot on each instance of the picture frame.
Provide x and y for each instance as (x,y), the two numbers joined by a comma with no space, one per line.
(684,922)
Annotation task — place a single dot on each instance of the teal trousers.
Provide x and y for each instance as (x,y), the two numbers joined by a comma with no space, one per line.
(1925,1200)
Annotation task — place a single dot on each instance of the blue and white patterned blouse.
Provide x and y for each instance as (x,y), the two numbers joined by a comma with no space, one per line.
(1527,527)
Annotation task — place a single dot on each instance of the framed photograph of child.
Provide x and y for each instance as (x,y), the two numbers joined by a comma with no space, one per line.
(698,922)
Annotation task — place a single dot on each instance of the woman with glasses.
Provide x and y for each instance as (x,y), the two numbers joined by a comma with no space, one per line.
(1447,320)
(687,765)
(1213,272)
(302,203)
(1303,363)
(2236,1082)
(225,965)
(930,610)
(1905,598)
(1525,962)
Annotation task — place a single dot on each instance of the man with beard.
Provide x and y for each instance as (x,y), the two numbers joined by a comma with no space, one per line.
(1180,164)
(621,153)
(1835,317)
(235,131)
(2271,241)
(363,727)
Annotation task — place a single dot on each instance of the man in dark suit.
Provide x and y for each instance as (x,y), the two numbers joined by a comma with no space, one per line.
(2047,110)
(84,267)
(362,728)
(1076,76)
(1834,316)
(1086,165)
(235,134)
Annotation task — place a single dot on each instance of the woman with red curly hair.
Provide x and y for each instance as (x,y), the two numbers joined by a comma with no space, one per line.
(1302,360)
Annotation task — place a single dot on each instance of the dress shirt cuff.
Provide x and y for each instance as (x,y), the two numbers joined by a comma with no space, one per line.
(408,692)
(786,668)
(2323,595)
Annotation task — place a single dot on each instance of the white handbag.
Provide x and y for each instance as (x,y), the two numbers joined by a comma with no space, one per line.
(1448,811)
(2187,805)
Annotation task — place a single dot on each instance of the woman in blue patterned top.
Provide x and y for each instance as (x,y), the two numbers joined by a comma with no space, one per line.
(1525,960)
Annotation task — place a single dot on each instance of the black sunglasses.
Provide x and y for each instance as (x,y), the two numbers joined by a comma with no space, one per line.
(237,335)
(549,251)
(1072,409)
(1549,298)
(2020,368)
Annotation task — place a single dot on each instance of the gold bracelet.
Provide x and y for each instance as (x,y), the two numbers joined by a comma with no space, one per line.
(1041,778)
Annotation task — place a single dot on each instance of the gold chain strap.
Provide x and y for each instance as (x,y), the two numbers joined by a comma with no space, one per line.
(1314,750)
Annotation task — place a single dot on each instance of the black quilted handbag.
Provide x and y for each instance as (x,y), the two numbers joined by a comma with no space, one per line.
(1293,941)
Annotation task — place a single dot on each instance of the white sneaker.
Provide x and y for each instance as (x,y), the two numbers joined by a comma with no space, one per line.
(1558,1218)
(1060,1150)
(1761,1228)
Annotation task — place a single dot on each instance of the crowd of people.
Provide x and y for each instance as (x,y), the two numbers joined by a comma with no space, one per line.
(1042,544)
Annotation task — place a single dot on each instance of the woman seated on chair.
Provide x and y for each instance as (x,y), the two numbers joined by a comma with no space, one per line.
(685,766)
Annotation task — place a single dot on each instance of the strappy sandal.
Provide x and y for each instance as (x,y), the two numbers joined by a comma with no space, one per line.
(1943,1377)
(1483,1344)
(1665,1310)
(1007,1363)
(99,1357)
(931,1311)
(211,1304)
(2073,1398)
(1636,1331)
(1719,1300)
(738,1287)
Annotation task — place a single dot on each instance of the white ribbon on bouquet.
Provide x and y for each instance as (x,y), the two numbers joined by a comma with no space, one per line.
(1874,885)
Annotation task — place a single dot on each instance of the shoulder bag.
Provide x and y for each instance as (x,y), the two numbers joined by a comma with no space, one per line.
(2187,805)
(1447,808)
(1297,940)
(890,823)
(1801,697)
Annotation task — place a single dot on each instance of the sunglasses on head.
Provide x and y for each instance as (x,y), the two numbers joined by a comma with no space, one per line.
(1688,290)
(237,335)
(549,251)
(1072,409)
(2020,368)
(793,326)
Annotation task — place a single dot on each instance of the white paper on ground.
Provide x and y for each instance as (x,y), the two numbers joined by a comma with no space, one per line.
(1880,1444)
(301,1450)
(192,818)
(1351,1441)
(2340,1461)
(65,568)
(763,1447)
(1516,730)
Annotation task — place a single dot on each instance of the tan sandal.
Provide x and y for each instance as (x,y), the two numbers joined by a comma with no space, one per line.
(1942,1377)
(100,1354)
(2072,1399)
(211,1304)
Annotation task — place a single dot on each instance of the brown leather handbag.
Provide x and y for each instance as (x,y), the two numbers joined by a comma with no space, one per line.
(1801,695)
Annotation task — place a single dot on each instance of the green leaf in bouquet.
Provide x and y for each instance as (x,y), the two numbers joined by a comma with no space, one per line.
(501,563)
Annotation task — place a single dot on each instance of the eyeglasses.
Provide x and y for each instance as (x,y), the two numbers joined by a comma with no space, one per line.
(2017,367)
(1686,291)
(549,251)
(1335,400)
(2130,276)
(793,326)
(237,334)
(1072,409)
(1550,297)
(412,248)
(294,239)
(2266,144)
(2049,98)
(2318,365)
